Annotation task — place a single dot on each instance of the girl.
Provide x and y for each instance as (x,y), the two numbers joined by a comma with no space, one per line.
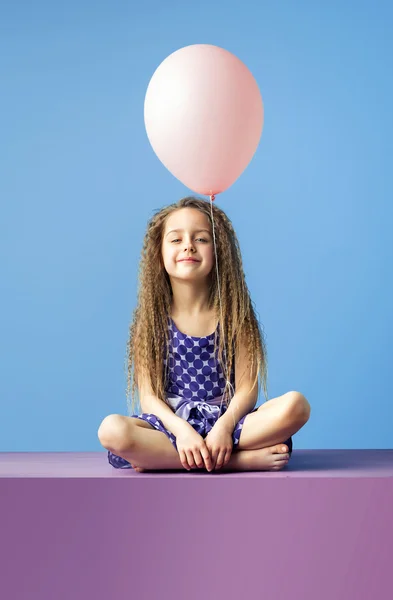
(190,306)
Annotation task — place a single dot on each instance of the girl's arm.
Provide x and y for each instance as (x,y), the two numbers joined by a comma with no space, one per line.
(159,408)
(241,404)
(244,399)
(152,404)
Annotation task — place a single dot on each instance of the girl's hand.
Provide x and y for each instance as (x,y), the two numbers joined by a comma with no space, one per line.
(220,444)
(192,449)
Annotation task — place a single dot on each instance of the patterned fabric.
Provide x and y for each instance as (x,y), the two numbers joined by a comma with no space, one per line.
(194,371)
(194,390)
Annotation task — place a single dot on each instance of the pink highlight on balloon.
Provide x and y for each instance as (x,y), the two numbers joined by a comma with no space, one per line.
(204,117)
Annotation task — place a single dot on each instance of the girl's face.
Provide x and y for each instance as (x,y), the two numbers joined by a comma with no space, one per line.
(193,239)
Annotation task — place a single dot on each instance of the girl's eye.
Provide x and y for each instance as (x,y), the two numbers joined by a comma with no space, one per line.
(203,239)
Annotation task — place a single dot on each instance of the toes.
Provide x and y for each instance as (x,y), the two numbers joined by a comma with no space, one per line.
(137,469)
(280,465)
(281,449)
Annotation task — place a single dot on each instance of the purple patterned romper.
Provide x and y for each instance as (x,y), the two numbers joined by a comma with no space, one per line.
(195,388)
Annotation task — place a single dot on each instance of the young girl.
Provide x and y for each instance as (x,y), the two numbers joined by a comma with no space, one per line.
(190,306)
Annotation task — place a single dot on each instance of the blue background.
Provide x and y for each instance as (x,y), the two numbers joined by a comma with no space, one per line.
(79,182)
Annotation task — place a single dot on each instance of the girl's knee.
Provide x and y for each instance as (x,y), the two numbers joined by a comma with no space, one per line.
(113,431)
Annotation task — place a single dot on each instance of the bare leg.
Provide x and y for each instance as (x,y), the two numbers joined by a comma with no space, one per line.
(274,421)
(149,449)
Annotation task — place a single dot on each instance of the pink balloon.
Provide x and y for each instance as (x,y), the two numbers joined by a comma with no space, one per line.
(204,116)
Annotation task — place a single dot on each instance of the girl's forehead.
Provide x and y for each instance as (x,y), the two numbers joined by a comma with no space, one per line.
(187,219)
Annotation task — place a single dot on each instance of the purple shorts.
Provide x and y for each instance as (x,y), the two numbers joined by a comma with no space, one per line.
(201,424)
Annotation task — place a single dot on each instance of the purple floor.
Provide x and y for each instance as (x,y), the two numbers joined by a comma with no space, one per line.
(73,528)
(303,464)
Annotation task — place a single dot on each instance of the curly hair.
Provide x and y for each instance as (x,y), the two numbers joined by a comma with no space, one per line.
(148,331)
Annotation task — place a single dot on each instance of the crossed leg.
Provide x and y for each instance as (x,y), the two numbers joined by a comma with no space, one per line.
(260,446)
(274,421)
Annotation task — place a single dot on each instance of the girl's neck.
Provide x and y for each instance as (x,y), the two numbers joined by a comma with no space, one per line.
(199,324)
(190,311)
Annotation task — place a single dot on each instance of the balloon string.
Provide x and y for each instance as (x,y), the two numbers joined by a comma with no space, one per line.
(227,382)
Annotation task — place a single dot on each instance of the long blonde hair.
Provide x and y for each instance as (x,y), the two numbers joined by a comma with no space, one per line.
(148,331)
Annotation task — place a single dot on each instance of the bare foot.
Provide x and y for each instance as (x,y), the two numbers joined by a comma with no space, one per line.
(272,458)
(137,469)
